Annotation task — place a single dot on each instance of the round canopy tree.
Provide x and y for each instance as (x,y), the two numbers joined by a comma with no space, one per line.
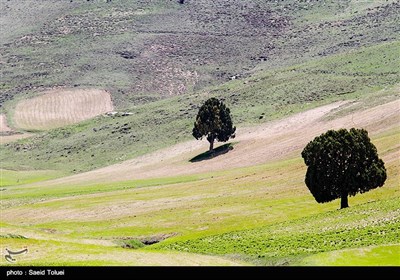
(342,163)
(214,122)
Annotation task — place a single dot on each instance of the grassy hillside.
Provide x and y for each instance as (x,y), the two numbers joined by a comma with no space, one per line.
(369,75)
(143,50)
(206,214)
(265,59)
(160,60)
(282,243)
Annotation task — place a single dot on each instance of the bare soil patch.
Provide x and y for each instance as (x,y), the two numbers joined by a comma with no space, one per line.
(3,124)
(60,107)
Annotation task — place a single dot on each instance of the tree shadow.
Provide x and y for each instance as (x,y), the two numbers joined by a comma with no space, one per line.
(212,154)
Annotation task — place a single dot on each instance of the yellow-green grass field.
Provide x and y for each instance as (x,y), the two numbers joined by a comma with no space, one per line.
(255,215)
(80,186)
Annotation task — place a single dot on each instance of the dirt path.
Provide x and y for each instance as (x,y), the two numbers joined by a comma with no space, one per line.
(3,124)
(269,142)
(7,134)
(60,107)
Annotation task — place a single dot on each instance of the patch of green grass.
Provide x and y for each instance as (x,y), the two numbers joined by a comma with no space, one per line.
(344,10)
(10,178)
(354,63)
(384,255)
(56,253)
(31,16)
(21,195)
(281,243)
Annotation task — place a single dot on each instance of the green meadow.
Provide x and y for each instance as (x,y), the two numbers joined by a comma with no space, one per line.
(260,215)
(268,61)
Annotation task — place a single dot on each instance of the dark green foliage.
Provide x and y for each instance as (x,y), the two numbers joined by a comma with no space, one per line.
(342,163)
(214,122)
(13,236)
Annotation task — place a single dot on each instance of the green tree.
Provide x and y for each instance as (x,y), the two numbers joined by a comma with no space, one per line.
(342,163)
(214,122)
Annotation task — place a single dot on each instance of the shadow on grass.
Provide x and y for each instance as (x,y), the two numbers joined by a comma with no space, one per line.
(212,154)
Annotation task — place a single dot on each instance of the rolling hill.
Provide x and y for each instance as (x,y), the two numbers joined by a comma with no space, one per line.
(97,103)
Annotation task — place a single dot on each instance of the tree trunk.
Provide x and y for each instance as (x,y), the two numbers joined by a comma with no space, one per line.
(211,144)
(344,202)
